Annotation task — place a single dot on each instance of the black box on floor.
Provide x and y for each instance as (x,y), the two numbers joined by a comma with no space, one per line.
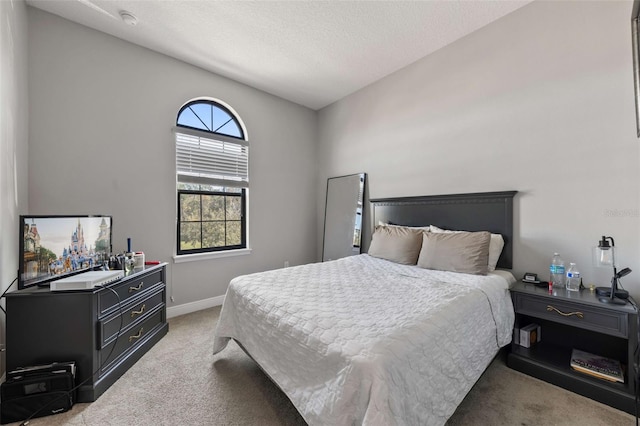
(37,391)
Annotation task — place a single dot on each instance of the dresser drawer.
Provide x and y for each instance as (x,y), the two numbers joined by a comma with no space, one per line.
(575,314)
(129,339)
(109,327)
(127,290)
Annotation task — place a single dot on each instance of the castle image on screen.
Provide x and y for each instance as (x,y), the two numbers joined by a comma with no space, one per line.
(53,247)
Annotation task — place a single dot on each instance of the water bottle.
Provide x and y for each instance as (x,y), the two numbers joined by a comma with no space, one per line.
(557,271)
(573,278)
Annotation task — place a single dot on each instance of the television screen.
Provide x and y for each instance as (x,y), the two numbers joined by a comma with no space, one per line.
(53,247)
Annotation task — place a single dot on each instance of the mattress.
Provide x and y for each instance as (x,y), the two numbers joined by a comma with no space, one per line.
(361,340)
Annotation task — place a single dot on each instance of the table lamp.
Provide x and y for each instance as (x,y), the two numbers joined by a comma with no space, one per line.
(604,256)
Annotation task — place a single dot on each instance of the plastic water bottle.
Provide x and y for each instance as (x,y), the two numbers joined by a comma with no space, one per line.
(557,271)
(573,278)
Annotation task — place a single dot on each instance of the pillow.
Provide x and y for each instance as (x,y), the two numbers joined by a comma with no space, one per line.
(425,228)
(466,252)
(495,246)
(396,243)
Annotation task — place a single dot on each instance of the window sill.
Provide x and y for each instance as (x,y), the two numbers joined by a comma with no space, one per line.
(212,255)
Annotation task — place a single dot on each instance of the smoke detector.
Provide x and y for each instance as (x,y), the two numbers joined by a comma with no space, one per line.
(128,18)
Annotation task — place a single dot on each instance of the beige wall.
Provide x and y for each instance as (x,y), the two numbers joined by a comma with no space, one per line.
(13,140)
(101,112)
(540,101)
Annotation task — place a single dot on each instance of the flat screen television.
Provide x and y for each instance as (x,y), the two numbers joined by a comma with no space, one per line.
(54,247)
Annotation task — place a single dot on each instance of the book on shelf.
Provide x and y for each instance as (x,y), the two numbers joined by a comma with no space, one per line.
(597,366)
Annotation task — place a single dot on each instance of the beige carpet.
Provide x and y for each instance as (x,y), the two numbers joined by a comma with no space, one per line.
(179,382)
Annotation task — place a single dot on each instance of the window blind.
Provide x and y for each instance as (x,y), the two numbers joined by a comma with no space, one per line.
(207,159)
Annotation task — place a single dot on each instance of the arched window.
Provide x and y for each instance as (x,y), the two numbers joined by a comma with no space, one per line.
(210,117)
(212,174)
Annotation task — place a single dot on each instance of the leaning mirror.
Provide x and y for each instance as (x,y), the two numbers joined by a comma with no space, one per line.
(343,216)
(635,43)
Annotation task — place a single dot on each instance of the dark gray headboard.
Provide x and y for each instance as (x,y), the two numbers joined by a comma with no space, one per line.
(483,211)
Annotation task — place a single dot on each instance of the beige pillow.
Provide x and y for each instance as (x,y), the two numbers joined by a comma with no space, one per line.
(466,252)
(396,243)
(495,246)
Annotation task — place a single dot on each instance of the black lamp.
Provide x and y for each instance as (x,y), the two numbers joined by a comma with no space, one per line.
(604,256)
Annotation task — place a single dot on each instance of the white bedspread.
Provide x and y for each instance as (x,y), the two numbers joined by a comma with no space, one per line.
(361,340)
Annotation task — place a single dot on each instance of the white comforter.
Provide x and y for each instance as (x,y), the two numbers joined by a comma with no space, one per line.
(361,340)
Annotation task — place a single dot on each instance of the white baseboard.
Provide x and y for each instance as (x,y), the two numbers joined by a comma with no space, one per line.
(199,305)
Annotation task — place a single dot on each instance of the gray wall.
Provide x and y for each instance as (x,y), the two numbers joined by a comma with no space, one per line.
(540,101)
(101,111)
(13,140)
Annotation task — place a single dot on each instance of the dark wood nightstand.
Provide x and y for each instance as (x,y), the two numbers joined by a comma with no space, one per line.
(577,320)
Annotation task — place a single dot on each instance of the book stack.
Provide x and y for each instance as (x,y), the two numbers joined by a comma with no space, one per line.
(597,366)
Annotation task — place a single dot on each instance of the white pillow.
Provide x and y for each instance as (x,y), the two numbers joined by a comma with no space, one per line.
(496,244)
(421,228)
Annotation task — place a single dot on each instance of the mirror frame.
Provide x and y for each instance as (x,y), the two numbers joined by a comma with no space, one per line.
(355,226)
(635,42)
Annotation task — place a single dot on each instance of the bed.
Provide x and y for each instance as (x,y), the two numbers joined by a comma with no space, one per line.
(369,340)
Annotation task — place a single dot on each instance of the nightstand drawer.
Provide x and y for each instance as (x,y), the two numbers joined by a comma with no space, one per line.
(575,314)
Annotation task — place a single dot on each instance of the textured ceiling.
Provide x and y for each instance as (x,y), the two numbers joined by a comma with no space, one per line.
(309,52)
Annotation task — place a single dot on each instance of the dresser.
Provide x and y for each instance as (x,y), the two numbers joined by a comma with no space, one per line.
(576,320)
(104,331)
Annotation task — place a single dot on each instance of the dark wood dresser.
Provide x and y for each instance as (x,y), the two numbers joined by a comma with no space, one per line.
(103,333)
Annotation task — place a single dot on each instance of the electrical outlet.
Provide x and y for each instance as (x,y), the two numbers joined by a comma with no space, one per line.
(173,299)
(286,263)
(2,349)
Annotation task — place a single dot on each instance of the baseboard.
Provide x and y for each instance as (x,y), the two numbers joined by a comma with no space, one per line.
(187,308)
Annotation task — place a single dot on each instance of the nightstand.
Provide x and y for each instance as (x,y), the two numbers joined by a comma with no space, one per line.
(578,320)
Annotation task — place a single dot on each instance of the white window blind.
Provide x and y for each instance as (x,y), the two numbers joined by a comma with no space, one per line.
(207,159)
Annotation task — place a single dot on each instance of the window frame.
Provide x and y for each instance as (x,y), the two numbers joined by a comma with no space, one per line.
(215,105)
(243,221)
(224,184)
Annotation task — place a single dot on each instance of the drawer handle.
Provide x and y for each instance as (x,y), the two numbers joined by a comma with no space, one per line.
(136,336)
(578,314)
(134,313)
(132,289)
